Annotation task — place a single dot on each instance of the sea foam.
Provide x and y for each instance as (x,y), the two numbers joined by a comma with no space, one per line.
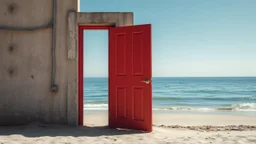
(234,107)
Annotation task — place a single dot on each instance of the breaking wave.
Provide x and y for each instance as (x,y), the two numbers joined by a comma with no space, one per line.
(234,107)
(95,106)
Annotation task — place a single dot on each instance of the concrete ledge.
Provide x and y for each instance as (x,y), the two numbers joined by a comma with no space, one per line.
(105,18)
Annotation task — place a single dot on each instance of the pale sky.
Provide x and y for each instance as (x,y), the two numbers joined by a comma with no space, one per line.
(190,37)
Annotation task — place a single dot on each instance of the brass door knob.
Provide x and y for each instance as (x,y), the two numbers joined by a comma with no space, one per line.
(146,81)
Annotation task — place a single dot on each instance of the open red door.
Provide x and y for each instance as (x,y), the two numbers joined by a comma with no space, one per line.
(130,77)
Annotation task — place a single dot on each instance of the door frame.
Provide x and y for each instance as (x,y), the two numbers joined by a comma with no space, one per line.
(88,19)
(81,29)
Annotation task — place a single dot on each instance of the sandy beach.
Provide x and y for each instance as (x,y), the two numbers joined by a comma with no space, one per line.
(167,129)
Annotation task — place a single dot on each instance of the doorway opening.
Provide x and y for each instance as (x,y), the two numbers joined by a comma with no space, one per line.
(93,75)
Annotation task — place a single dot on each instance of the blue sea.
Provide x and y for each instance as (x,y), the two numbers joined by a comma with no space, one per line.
(201,94)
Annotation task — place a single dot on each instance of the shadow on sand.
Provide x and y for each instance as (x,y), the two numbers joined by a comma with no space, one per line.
(40,130)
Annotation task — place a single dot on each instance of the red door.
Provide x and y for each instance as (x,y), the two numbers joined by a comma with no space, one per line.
(130,86)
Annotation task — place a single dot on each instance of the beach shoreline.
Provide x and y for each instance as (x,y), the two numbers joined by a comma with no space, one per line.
(181,119)
(168,128)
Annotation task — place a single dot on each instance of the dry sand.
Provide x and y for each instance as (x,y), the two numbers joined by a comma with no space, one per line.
(168,128)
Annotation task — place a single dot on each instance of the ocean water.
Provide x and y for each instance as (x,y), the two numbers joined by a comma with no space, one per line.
(211,94)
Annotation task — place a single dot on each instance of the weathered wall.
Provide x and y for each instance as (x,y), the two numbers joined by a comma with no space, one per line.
(26,60)
(25,69)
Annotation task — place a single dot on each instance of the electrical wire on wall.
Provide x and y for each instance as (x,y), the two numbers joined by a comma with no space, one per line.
(51,24)
(54,86)
(9,28)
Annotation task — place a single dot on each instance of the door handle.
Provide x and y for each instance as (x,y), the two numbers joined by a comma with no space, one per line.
(146,81)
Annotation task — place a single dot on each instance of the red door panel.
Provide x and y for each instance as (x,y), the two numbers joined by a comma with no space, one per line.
(130,74)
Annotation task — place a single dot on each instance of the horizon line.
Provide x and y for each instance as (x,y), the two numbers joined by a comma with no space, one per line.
(179,76)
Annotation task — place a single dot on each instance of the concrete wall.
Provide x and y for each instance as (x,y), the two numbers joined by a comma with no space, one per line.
(25,95)
(26,60)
